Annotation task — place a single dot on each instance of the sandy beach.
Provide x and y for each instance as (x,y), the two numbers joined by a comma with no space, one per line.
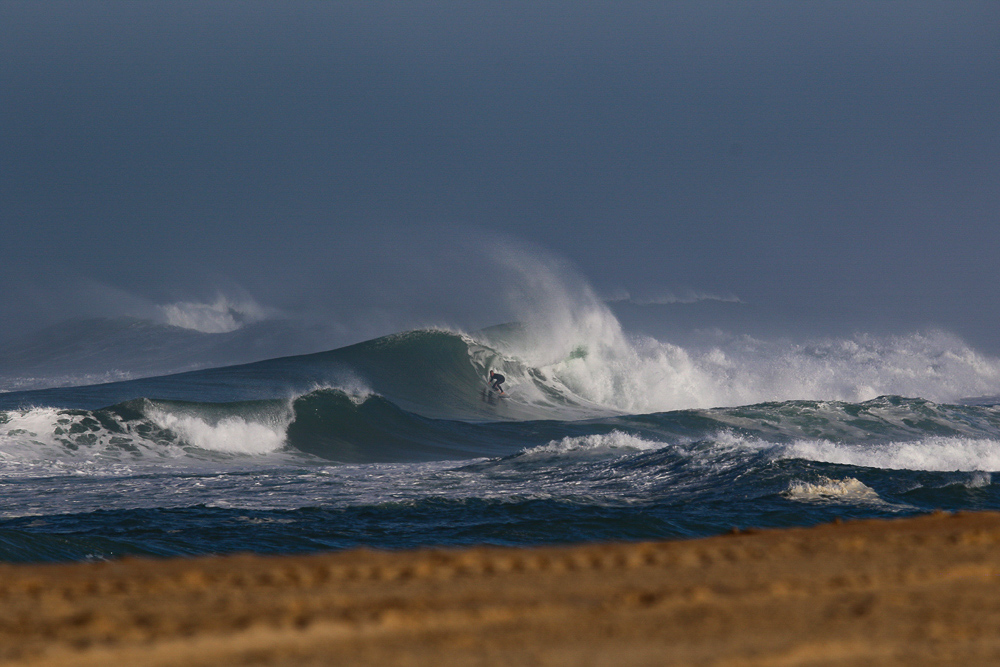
(914,591)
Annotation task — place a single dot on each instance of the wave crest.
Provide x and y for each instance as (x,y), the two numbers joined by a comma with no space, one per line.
(615,441)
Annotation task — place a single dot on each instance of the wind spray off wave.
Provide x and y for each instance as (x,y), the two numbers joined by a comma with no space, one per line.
(569,343)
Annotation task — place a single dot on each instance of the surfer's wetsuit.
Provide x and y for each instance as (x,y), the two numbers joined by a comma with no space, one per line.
(496,380)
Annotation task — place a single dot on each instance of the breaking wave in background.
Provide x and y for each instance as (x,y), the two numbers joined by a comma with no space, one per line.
(223,315)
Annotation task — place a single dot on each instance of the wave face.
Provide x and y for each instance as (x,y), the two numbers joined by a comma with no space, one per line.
(397,442)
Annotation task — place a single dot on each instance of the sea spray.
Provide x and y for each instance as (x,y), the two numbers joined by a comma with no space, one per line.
(569,343)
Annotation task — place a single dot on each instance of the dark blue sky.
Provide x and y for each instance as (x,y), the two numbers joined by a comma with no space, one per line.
(832,164)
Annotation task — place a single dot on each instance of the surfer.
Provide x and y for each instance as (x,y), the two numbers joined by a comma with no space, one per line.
(496,380)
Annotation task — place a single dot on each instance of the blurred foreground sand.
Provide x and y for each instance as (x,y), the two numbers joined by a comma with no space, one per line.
(912,591)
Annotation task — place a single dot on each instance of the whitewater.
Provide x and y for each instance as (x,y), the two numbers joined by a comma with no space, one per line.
(397,442)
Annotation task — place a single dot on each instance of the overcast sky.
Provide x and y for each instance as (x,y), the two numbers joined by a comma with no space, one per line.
(823,162)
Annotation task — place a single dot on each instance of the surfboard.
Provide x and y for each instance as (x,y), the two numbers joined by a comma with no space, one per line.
(490,393)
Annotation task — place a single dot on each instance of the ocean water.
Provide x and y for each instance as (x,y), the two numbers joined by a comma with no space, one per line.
(398,443)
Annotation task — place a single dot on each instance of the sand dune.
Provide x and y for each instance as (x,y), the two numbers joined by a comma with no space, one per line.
(915,591)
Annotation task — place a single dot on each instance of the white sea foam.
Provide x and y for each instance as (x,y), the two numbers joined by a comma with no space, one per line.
(938,454)
(26,431)
(47,440)
(55,437)
(231,435)
(832,490)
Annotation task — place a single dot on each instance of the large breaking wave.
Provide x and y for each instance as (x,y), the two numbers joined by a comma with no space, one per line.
(572,372)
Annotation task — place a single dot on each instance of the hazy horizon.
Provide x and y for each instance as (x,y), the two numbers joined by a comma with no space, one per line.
(793,169)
